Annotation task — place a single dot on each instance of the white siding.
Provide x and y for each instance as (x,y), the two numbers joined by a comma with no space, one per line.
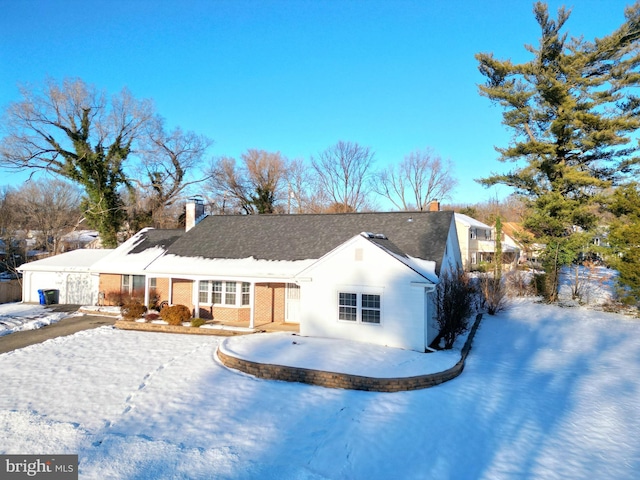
(74,287)
(360,267)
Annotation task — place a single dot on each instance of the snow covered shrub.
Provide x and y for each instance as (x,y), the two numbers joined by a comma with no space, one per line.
(175,314)
(132,310)
(197,322)
(494,293)
(455,298)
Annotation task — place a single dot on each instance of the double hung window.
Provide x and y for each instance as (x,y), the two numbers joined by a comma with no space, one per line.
(214,292)
(359,307)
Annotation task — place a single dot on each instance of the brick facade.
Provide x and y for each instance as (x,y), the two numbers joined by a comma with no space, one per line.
(182,293)
(269,302)
(109,285)
(162,289)
(225,314)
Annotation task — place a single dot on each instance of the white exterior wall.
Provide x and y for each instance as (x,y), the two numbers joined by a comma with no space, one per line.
(463,236)
(402,304)
(80,288)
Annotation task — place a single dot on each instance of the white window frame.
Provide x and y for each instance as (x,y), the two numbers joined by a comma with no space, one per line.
(245,294)
(230,294)
(127,283)
(359,308)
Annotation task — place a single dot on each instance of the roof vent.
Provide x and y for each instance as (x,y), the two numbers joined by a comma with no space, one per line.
(410,219)
(374,235)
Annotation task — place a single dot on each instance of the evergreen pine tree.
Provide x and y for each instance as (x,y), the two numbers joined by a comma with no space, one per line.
(624,240)
(572,112)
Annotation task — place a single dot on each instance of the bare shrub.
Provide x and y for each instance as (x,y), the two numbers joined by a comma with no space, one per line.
(494,293)
(175,314)
(519,283)
(120,298)
(455,297)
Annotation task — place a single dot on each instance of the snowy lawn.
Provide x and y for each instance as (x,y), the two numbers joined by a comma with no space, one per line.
(547,392)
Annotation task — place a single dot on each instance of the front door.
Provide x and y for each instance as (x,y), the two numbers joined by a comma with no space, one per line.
(292,303)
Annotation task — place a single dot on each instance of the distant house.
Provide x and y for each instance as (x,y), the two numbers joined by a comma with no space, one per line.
(362,276)
(518,237)
(478,244)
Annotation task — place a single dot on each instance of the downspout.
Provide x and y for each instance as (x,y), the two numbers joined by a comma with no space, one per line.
(146,291)
(252,304)
(196,300)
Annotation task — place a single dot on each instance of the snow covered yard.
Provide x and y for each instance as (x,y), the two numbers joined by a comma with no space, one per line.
(547,392)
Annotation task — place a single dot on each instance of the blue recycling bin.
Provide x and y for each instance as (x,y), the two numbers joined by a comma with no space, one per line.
(43,299)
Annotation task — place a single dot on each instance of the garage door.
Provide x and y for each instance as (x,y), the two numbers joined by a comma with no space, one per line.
(79,290)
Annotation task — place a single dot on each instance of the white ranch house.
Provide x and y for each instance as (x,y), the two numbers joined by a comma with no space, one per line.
(361,276)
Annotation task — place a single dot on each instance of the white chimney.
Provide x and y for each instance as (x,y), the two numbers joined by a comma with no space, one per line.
(194,212)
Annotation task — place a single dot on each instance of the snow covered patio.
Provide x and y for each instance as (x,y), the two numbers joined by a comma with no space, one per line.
(547,392)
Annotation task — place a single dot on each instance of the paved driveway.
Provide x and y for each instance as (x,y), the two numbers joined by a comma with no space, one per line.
(66,326)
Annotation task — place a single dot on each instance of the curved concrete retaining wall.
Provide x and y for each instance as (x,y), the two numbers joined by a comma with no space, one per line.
(346,381)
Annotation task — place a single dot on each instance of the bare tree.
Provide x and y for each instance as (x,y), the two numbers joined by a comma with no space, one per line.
(257,186)
(50,209)
(344,175)
(266,175)
(229,188)
(416,181)
(169,160)
(72,130)
(11,250)
(305,196)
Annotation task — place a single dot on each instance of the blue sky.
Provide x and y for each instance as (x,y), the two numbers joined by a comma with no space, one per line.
(296,76)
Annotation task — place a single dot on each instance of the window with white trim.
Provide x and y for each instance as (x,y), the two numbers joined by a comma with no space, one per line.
(246,293)
(230,295)
(132,283)
(203,292)
(215,292)
(348,306)
(370,308)
(359,307)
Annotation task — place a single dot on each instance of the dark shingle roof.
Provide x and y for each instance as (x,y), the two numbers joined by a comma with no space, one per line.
(156,238)
(301,237)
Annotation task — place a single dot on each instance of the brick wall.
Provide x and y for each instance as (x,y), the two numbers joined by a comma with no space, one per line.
(269,302)
(109,283)
(182,293)
(162,289)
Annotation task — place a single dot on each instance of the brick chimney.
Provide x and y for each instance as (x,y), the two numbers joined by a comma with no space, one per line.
(434,206)
(194,212)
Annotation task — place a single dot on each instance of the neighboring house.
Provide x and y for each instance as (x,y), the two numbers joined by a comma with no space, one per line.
(80,239)
(69,273)
(516,236)
(478,244)
(362,276)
